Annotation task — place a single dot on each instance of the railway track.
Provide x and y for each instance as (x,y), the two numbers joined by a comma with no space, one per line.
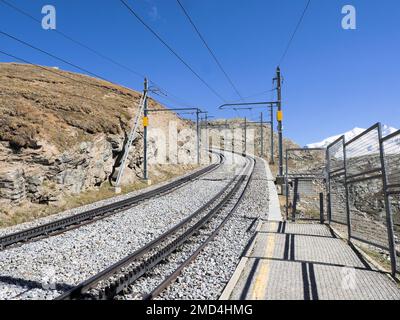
(90,216)
(115,280)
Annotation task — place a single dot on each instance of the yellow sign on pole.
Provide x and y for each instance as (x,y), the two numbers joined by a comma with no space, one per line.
(279,115)
(145,121)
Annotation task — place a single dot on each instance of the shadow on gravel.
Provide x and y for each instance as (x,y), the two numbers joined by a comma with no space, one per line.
(32,284)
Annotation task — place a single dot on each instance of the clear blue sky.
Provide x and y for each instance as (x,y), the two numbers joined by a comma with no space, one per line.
(334,79)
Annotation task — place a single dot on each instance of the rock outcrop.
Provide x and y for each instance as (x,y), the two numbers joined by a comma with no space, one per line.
(61,133)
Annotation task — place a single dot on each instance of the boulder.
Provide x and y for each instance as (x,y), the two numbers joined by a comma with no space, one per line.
(12,184)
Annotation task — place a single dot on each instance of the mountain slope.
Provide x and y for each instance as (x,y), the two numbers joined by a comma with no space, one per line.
(61,133)
(386,130)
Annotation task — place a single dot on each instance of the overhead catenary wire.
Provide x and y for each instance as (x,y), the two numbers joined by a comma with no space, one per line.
(96,52)
(294,33)
(53,56)
(73,40)
(209,49)
(171,100)
(59,59)
(53,71)
(133,12)
(48,69)
(261,93)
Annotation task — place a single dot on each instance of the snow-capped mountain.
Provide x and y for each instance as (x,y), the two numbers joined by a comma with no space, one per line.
(386,130)
(393,146)
(326,142)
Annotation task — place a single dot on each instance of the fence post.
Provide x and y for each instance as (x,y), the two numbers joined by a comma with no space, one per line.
(328,208)
(295,198)
(328,186)
(321,208)
(347,192)
(389,218)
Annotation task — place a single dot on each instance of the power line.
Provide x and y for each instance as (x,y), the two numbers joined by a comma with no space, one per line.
(56,57)
(209,49)
(253,95)
(294,33)
(52,56)
(96,52)
(174,101)
(171,97)
(171,49)
(50,70)
(61,75)
(73,40)
(46,69)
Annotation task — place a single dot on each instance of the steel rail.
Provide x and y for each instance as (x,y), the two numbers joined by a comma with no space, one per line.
(173,276)
(68,223)
(83,287)
(117,286)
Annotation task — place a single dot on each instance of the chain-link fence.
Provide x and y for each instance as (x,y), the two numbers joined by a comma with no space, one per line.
(364,183)
(361,180)
(336,188)
(391,151)
(363,188)
(304,179)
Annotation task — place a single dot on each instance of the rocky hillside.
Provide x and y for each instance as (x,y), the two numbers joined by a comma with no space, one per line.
(61,133)
(217,136)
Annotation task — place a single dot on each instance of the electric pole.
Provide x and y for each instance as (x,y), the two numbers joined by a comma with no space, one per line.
(245,135)
(145,125)
(207,141)
(271,111)
(198,136)
(271,104)
(279,118)
(132,136)
(262,136)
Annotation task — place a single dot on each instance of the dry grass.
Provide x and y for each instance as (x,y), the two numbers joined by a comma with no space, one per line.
(36,105)
(377,257)
(46,113)
(62,108)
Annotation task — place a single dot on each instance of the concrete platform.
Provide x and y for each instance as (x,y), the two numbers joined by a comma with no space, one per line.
(274,210)
(304,261)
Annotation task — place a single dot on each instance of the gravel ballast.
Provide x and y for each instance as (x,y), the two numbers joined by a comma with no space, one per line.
(33,270)
(150,280)
(207,276)
(97,204)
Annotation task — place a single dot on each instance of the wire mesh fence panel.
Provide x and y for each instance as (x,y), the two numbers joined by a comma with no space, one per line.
(365,189)
(336,184)
(368,213)
(305,180)
(306,203)
(394,200)
(391,147)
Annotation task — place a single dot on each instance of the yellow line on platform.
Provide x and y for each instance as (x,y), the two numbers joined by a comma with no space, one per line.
(261,282)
